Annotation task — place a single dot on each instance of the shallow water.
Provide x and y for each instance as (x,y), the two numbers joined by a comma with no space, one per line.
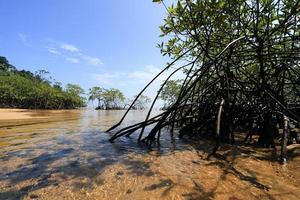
(67,155)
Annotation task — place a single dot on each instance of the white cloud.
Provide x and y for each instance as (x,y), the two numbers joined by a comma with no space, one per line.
(23,38)
(107,78)
(69,47)
(145,75)
(92,60)
(72,60)
(142,76)
(134,81)
(53,51)
(71,53)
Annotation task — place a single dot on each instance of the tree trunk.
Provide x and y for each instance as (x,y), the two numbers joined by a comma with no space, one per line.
(284,140)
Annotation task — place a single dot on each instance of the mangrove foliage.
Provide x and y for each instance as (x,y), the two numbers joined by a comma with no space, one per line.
(24,89)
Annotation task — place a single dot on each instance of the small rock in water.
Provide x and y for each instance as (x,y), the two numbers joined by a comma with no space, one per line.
(129,191)
(33,196)
(120,173)
(233,198)
(195,162)
(55,184)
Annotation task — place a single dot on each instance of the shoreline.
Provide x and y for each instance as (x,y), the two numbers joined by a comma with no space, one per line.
(12,117)
(19,113)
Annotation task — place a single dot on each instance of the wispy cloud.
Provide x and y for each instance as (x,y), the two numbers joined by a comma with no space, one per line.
(69,47)
(71,53)
(72,60)
(146,74)
(108,78)
(141,76)
(135,80)
(23,38)
(53,51)
(92,60)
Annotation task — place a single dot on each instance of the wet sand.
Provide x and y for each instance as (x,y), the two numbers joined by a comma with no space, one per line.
(19,114)
(12,114)
(17,117)
(71,158)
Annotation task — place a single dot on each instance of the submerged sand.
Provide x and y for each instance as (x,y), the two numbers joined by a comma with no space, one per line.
(71,159)
(12,114)
(16,117)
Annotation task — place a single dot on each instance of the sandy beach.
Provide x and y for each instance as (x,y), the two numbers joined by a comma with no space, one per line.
(15,117)
(11,114)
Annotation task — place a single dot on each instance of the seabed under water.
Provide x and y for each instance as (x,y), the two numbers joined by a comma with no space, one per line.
(67,155)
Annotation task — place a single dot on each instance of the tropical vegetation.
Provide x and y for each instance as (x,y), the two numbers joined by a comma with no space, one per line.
(170,92)
(113,98)
(24,89)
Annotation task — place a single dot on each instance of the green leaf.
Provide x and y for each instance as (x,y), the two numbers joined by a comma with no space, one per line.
(156,1)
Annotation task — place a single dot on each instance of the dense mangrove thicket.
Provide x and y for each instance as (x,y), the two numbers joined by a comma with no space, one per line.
(108,99)
(141,103)
(23,89)
(114,99)
(241,63)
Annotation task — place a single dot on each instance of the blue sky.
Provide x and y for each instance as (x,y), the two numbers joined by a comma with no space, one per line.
(87,42)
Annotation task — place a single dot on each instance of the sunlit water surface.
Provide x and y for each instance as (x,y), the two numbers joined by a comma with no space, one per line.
(67,155)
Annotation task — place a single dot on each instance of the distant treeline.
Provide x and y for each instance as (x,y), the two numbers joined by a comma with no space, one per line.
(114,99)
(24,89)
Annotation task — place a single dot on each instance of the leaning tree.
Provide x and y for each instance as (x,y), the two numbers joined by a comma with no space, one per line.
(241,64)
